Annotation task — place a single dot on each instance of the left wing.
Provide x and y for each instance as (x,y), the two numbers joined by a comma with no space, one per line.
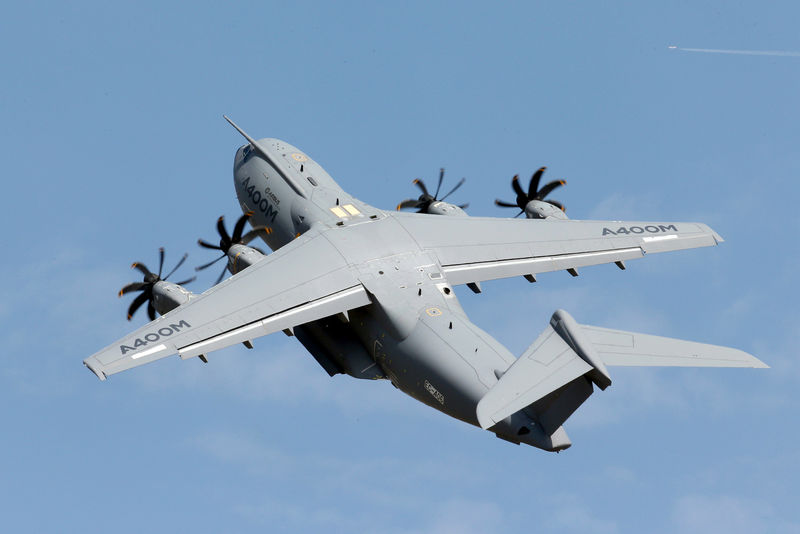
(485,248)
(305,280)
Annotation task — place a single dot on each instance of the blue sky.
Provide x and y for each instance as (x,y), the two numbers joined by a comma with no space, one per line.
(113,144)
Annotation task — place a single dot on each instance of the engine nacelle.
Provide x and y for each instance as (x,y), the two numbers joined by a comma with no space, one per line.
(168,296)
(445,208)
(537,209)
(240,257)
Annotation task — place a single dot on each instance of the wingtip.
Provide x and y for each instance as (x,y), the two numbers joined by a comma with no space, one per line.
(97,372)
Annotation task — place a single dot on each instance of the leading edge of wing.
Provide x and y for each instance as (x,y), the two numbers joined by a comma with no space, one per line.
(288,288)
(481,248)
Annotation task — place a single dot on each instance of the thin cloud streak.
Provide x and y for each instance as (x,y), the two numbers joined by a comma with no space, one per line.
(777,53)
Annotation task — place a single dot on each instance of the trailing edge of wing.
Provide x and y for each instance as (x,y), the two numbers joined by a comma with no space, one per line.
(474,249)
(340,301)
(345,300)
(287,288)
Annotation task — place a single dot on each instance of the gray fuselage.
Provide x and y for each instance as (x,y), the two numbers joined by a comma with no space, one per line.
(415,332)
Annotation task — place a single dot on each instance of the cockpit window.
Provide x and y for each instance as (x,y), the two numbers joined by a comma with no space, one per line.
(246,152)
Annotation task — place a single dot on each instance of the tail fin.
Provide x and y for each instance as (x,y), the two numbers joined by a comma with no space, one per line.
(554,376)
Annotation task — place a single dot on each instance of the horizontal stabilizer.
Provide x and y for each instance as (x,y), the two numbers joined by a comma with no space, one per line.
(616,347)
(554,376)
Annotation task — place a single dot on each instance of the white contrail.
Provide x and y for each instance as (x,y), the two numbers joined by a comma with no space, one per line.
(781,53)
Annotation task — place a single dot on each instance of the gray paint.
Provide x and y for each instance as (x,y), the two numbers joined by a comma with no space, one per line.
(369,293)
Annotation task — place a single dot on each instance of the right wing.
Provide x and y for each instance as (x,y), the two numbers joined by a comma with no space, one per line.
(303,281)
(472,249)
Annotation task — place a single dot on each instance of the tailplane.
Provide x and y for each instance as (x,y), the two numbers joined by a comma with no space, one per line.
(559,371)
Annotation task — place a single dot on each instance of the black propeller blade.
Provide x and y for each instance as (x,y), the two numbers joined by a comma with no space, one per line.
(426,199)
(226,240)
(533,193)
(146,286)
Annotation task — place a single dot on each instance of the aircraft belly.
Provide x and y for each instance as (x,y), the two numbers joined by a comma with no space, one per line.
(442,362)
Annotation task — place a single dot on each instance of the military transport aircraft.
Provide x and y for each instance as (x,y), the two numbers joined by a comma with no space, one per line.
(370,293)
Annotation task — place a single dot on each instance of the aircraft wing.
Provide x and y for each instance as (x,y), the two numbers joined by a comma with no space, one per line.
(472,249)
(303,281)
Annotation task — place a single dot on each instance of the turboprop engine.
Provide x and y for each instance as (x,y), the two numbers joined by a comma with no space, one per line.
(161,296)
(234,246)
(431,204)
(532,202)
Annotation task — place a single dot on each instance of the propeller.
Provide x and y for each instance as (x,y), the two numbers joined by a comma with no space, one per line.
(146,285)
(533,193)
(426,199)
(227,240)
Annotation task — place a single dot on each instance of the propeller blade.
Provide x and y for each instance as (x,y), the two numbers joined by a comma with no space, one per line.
(439,185)
(517,188)
(534,185)
(419,183)
(182,282)
(206,244)
(252,234)
(557,204)
(135,286)
(183,259)
(518,214)
(459,184)
(209,264)
(410,203)
(239,228)
(141,268)
(546,190)
(223,233)
(151,310)
(503,204)
(140,299)
(221,275)
(160,260)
